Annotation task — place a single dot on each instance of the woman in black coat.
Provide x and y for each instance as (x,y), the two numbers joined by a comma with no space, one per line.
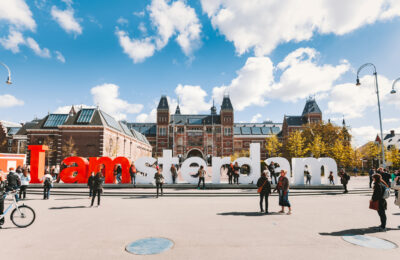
(379,189)
(265,191)
(97,188)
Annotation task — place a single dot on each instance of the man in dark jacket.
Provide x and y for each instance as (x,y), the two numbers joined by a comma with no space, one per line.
(265,185)
(97,188)
(230,173)
(370,173)
(2,194)
(344,179)
(271,168)
(13,182)
(90,184)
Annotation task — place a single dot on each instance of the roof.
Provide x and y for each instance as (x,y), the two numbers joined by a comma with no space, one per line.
(163,104)
(9,124)
(311,107)
(295,120)
(195,119)
(256,129)
(226,103)
(147,129)
(178,110)
(13,130)
(391,139)
(26,126)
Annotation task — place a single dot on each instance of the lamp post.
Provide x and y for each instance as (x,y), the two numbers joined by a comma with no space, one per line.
(9,73)
(394,83)
(379,103)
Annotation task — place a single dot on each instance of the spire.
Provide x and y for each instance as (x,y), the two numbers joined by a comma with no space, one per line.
(311,107)
(72,111)
(178,110)
(163,104)
(213,109)
(344,122)
(226,103)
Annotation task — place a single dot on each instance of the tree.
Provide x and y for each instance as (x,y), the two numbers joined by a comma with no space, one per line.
(317,147)
(242,153)
(393,156)
(69,149)
(273,146)
(296,144)
(52,151)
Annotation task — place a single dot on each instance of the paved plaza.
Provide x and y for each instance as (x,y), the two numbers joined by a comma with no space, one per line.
(202,227)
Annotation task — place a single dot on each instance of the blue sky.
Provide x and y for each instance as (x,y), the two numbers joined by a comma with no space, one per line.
(268,55)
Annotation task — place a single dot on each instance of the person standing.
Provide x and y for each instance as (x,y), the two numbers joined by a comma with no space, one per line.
(283,188)
(97,188)
(397,187)
(386,176)
(331,179)
(344,179)
(90,184)
(119,173)
(2,197)
(132,172)
(230,173)
(370,173)
(271,168)
(236,172)
(265,191)
(308,175)
(47,185)
(13,182)
(174,173)
(25,179)
(202,175)
(378,196)
(159,181)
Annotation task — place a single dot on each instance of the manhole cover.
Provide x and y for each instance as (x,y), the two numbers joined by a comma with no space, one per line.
(370,242)
(149,246)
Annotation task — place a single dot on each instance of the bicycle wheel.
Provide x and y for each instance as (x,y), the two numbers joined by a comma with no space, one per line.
(23,217)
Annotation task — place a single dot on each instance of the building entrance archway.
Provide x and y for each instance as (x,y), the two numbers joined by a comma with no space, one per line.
(194,153)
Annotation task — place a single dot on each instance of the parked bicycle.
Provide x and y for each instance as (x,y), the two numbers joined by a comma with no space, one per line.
(22,216)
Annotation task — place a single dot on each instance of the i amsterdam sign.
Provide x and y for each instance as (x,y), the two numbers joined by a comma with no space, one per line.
(79,168)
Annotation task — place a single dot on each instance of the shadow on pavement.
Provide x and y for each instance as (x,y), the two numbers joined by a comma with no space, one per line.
(246,214)
(69,207)
(140,197)
(396,214)
(73,199)
(357,231)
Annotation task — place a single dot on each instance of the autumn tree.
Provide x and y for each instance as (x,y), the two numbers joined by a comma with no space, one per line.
(69,149)
(317,147)
(296,144)
(242,153)
(273,146)
(393,156)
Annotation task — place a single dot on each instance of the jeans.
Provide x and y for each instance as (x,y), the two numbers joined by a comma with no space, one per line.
(173,179)
(382,215)
(308,181)
(345,187)
(262,197)
(201,179)
(46,192)
(22,191)
(119,178)
(331,182)
(236,178)
(1,209)
(274,175)
(159,186)
(230,178)
(96,192)
(370,181)
(90,191)
(133,180)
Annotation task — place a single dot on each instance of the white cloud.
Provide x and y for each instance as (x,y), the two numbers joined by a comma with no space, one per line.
(362,135)
(191,99)
(12,42)
(137,49)
(147,118)
(262,25)
(17,14)
(390,120)
(31,43)
(9,101)
(66,109)
(256,118)
(139,14)
(107,97)
(352,101)
(60,57)
(122,21)
(67,21)
(169,19)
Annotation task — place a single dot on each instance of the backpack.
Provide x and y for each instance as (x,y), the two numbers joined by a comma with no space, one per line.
(347,177)
(47,182)
(386,193)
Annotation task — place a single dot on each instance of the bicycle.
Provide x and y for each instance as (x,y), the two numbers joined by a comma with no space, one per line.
(22,216)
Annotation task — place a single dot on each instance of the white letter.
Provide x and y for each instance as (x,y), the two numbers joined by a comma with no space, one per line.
(142,167)
(187,170)
(253,162)
(329,164)
(283,165)
(166,161)
(217,163)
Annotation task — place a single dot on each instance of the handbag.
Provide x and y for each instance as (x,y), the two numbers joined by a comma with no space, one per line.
(374,205)
(261,187)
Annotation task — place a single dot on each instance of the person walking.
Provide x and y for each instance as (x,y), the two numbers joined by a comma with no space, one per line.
(119,173)
(283,188)
(90,184)
(264,188)
(236,172)
(344,179)
(174,173)
(97,188)
(396,187)
(47,185)
(2,197)
(378,197)
(132,172)
(331,179)
(202,175)
(308,175)
(159,181)
(230,173)
(271,168)
(25,179)
(370,173)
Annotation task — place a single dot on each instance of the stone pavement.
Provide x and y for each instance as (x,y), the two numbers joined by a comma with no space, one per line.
(201,227)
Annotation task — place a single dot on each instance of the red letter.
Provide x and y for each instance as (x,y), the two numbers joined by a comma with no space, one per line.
(67,175)
(37,161)
(109,165)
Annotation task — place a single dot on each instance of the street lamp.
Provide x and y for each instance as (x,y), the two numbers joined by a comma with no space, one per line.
(379,103)
(394,83)
(9,73)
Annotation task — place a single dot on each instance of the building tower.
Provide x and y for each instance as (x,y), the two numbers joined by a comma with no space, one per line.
(227,126)
(163,119)
(311,112)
